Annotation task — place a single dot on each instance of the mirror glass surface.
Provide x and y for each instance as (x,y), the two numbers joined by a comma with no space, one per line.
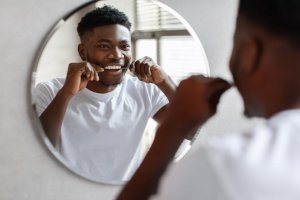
(158,32)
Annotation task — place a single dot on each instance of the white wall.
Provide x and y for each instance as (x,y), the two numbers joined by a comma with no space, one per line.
(27,169)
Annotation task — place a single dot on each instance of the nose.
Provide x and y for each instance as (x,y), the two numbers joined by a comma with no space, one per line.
(116,53)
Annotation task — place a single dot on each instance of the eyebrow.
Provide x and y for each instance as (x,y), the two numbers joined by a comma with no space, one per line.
(104,40)
(109,41)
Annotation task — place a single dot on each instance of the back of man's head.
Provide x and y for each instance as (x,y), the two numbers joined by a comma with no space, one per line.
(105,15)
(281,17)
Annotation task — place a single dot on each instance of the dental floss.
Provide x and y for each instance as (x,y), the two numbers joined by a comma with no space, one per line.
(89,66)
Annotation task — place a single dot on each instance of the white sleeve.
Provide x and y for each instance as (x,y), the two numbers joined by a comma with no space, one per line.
(193,178)
(158,100)
(43,97)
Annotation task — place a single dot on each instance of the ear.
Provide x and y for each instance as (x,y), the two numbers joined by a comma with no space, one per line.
(82,51)
(251,54)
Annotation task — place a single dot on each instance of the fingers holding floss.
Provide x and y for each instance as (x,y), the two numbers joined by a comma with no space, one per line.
(89,71)
(89,66)
(142,68)
(94,69)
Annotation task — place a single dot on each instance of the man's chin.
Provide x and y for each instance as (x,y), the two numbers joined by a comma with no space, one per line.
(111,82)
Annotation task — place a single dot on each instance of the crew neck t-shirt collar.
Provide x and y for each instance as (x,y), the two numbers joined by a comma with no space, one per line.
(102,96)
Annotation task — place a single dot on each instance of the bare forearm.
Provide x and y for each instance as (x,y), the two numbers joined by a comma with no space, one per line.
(53,116)
(145,181)
(168,87)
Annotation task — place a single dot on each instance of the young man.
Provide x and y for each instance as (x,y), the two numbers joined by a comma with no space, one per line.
(262,164)
(96,116)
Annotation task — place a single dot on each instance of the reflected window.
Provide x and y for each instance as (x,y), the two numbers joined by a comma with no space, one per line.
(163,37)
(179,56)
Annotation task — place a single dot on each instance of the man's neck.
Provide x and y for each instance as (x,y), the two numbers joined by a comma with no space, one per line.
(99,87)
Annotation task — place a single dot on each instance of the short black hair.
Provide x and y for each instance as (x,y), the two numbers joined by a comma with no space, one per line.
(106,15)
(281,17)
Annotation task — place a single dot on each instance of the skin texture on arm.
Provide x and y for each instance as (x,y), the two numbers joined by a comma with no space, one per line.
(78,76)
(201,92)
(168,87)
(53,116)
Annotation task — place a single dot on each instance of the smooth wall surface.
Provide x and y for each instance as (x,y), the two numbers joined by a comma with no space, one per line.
(27,169)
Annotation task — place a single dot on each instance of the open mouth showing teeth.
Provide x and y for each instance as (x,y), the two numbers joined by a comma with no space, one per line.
(112,68)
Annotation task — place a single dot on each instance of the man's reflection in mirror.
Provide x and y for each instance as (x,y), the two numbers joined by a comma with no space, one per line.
(97,114)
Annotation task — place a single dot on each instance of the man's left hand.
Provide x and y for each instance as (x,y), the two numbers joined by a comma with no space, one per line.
(148,71)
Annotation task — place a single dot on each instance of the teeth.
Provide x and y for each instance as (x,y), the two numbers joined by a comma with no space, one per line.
(112,67)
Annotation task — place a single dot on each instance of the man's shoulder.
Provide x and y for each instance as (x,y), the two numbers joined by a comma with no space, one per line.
(51,86)
(259,144)
(227,143)
(53,83)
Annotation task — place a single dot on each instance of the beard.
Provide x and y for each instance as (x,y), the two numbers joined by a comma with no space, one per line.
(106,79)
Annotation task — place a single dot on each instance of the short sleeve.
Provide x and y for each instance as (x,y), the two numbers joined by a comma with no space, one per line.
(45,93)
(42,98)
(158,100)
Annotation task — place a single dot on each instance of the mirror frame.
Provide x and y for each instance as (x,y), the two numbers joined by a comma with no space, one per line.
(37,126)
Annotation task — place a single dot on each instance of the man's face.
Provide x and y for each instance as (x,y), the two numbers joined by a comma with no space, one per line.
(109,47)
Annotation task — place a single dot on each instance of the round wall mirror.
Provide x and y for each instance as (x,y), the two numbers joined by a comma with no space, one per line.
(109,149)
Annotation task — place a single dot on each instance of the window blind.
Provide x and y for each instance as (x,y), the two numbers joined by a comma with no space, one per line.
(150,16)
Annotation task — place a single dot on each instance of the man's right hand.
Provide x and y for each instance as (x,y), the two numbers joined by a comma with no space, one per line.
(78,76)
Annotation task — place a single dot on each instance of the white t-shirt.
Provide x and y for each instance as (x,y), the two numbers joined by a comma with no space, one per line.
(101,133)
(263,164)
